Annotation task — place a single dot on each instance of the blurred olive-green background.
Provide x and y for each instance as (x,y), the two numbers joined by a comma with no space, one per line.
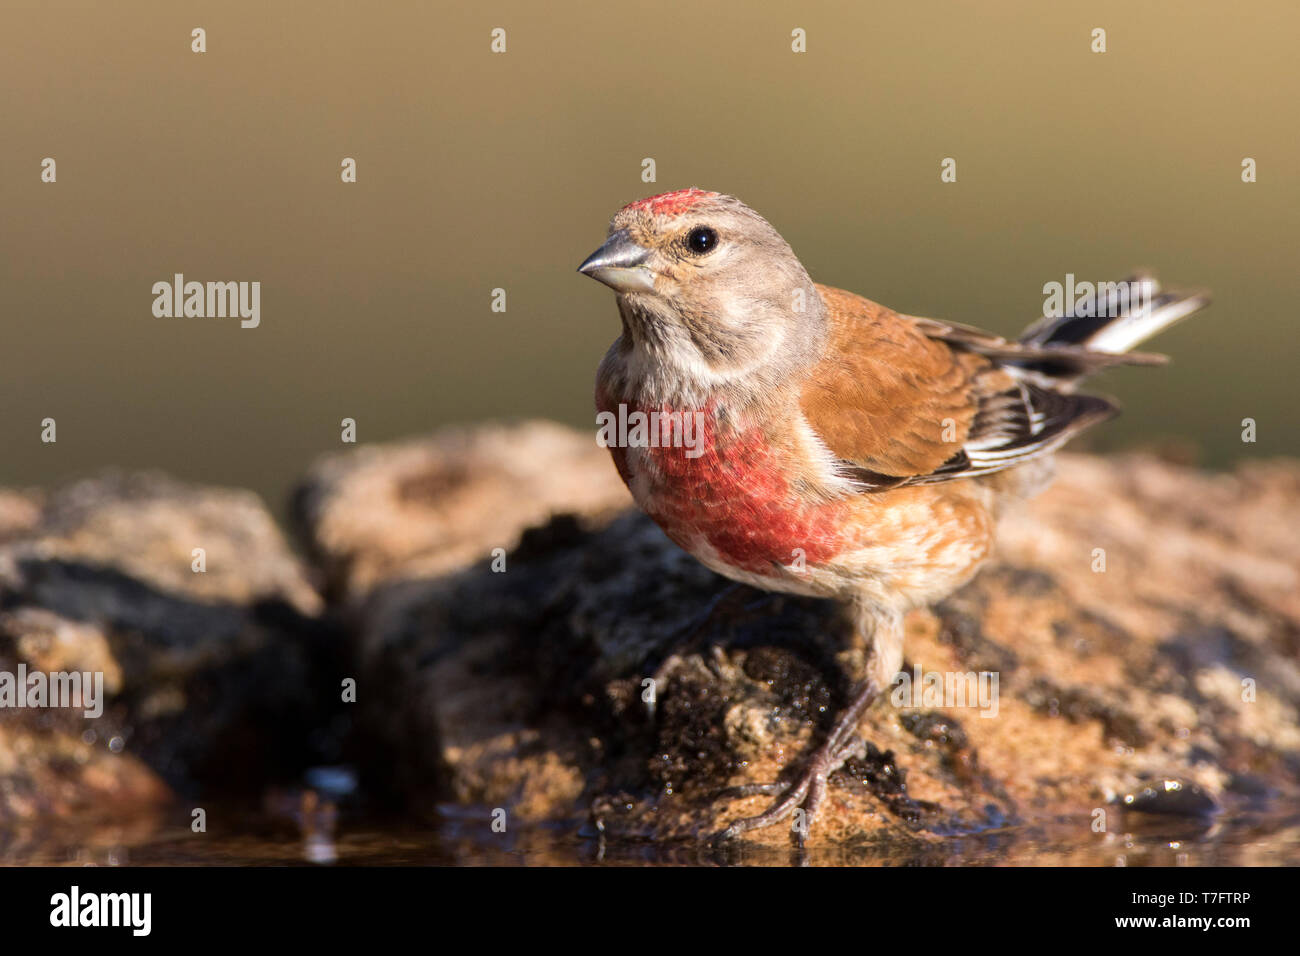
(479,170)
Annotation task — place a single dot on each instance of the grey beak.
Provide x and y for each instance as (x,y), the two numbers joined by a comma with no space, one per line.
(621,264)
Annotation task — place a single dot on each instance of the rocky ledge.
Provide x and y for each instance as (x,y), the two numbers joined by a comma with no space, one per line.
(500,608)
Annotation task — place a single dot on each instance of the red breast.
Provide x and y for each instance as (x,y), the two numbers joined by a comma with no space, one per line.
(728,493)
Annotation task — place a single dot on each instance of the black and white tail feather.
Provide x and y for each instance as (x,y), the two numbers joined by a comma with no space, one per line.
(1108,330)
(1051,357)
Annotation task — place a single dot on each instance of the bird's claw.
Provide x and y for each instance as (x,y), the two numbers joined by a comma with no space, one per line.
(804,796)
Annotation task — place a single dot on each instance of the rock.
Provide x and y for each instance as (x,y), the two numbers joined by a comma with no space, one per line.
(211,679)
(432,505)
(1142,620)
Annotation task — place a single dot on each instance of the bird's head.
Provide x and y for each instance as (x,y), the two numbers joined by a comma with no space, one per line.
(707,288)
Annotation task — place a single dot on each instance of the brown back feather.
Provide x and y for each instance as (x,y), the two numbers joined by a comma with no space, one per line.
(892,388)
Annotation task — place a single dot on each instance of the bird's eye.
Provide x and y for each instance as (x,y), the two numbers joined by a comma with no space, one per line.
(701,239)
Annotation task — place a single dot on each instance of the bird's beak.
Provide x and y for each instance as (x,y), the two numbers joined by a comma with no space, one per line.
(621,264)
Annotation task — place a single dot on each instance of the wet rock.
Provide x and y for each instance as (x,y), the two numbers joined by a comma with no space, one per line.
(1172,798)
(502,611)
(210,679)
(1142,619)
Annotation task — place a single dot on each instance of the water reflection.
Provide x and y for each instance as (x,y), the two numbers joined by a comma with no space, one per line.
(314,832)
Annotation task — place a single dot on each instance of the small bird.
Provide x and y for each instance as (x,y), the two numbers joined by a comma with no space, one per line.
(810,441)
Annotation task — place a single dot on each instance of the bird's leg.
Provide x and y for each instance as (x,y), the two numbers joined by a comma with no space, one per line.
(809,788)
(883,629)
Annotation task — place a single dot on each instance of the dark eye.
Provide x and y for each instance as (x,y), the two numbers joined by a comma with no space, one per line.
(701,239)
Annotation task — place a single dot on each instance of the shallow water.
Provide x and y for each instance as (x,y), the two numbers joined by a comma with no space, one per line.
(460,837)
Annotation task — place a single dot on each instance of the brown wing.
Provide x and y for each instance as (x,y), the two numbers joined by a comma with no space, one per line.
(906,401)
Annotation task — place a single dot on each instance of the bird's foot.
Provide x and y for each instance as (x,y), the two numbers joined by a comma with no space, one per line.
(802,798)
